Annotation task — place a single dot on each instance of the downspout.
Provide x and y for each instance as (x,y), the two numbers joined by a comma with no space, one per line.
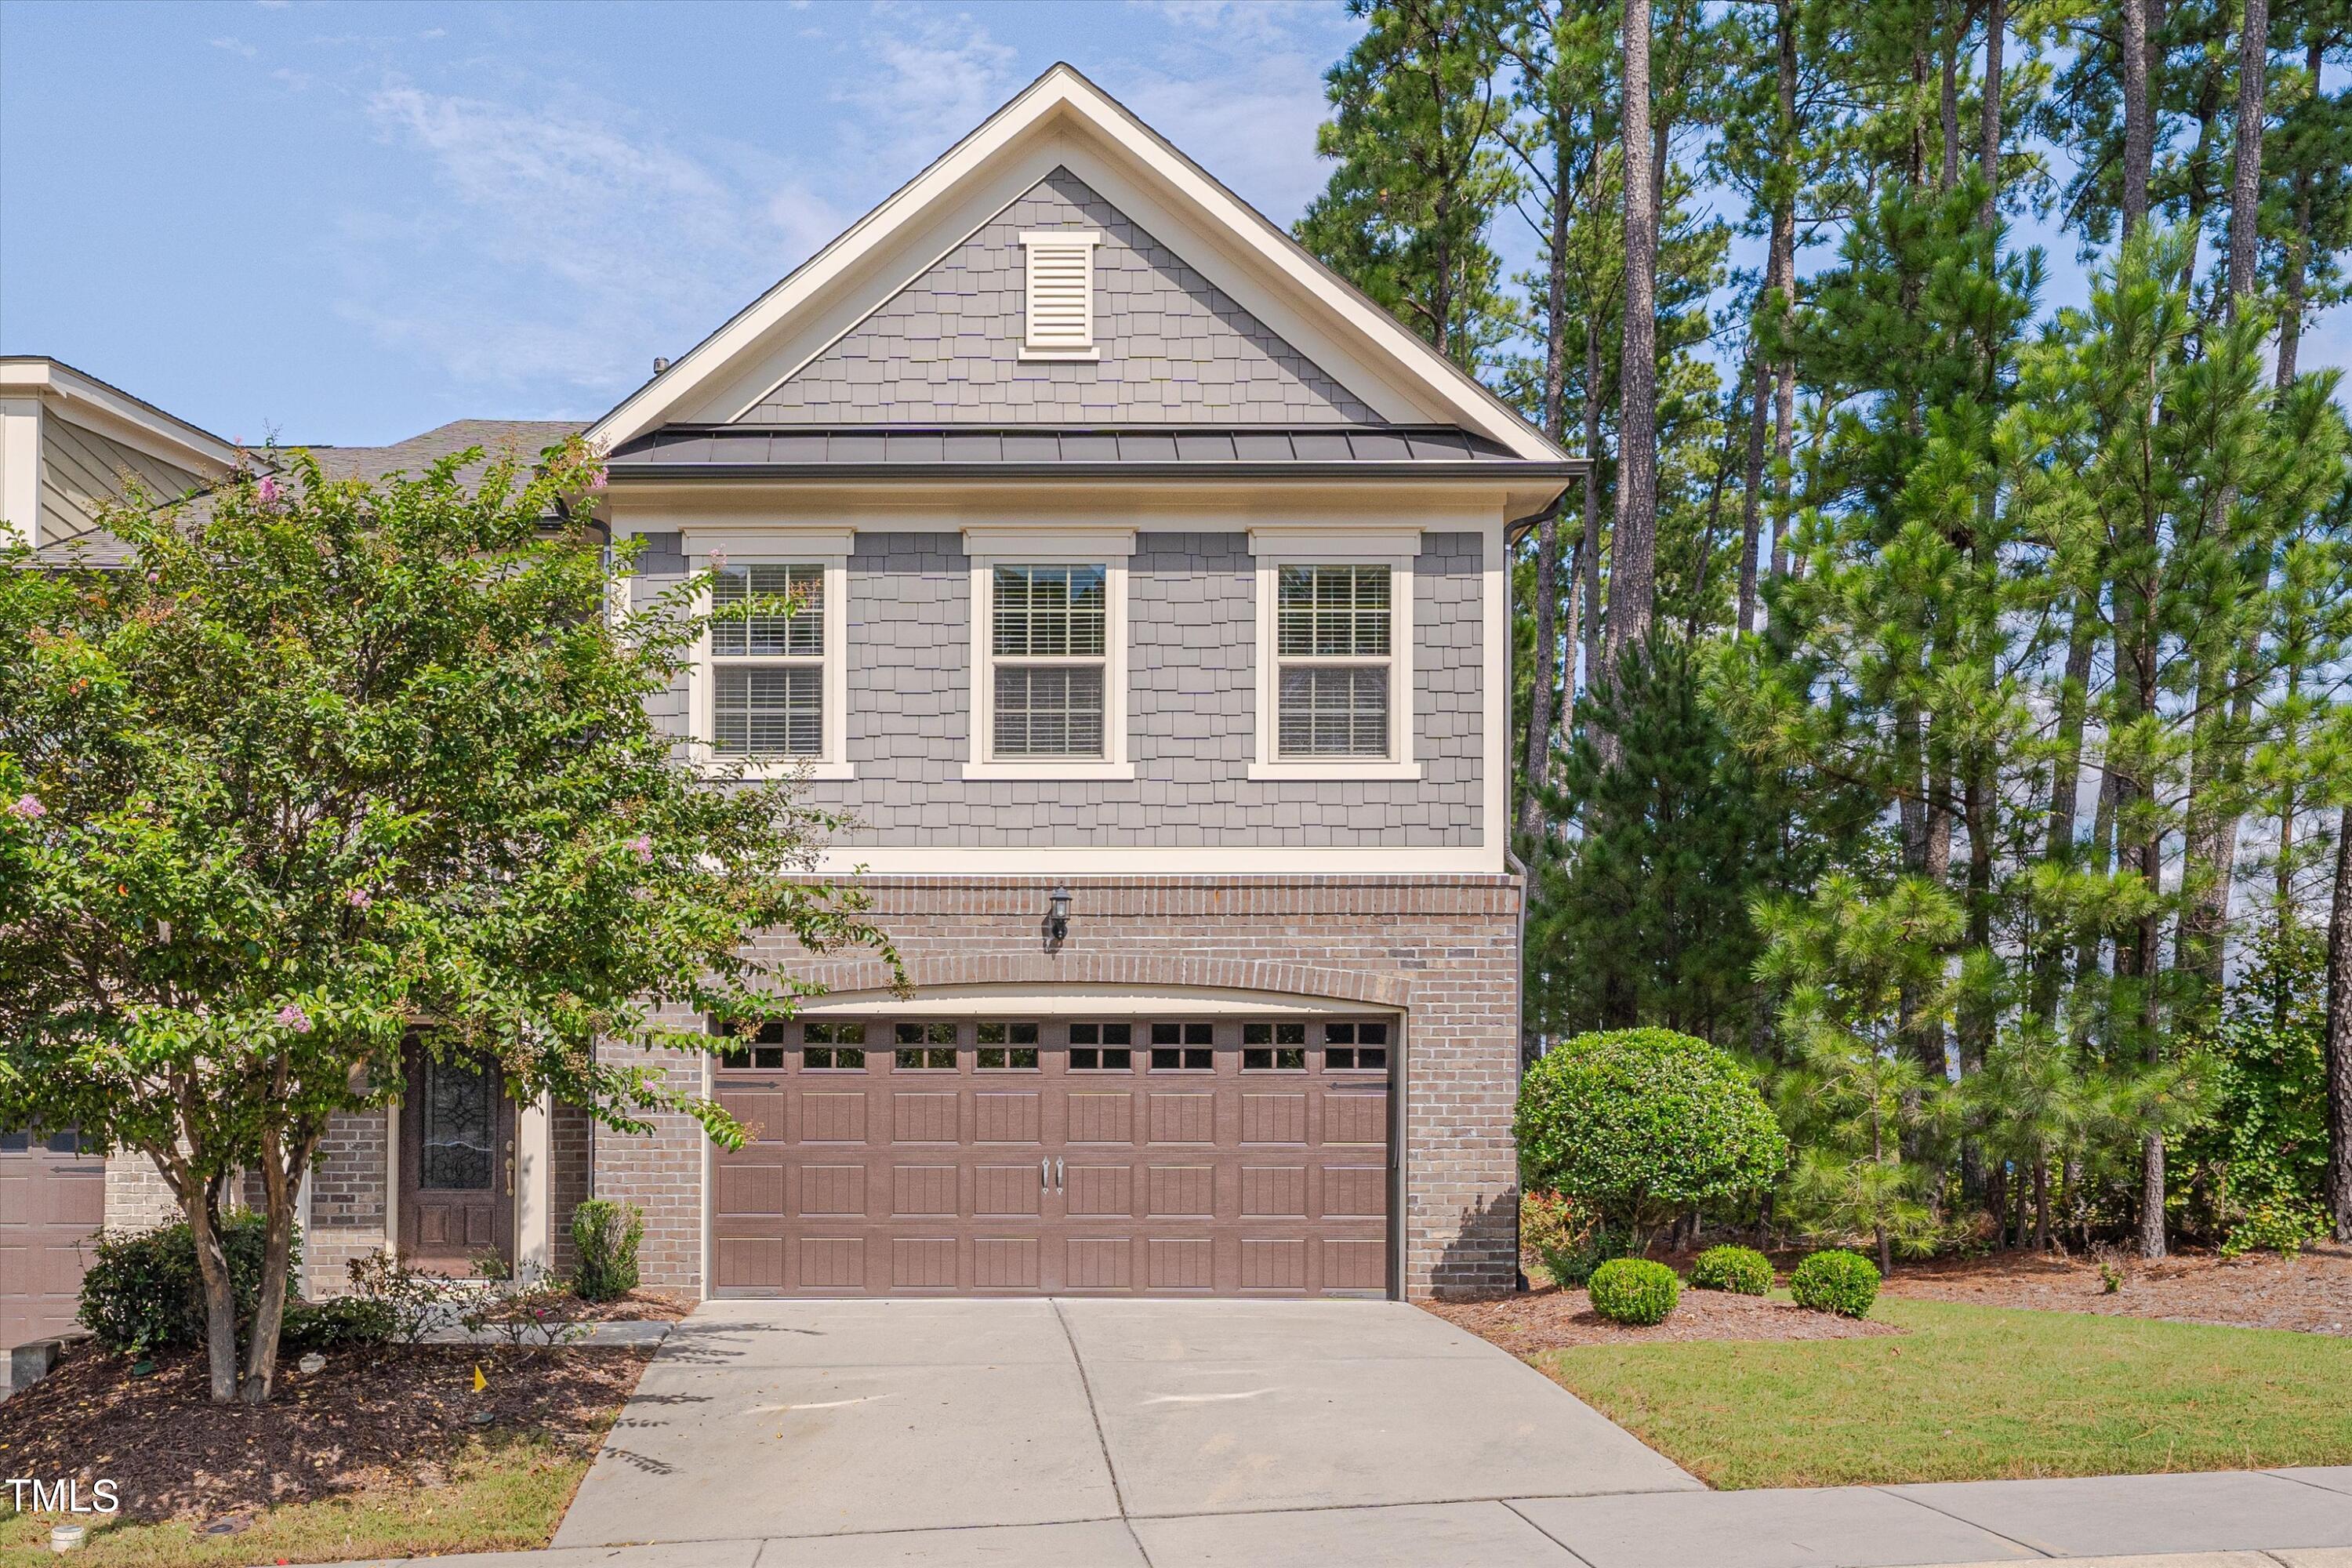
(1512,530)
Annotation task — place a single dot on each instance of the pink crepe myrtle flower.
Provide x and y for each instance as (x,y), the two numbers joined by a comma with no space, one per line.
(267,491)
(358,898)
(718,559)
(596,480)
(643,845)
(28,806)
(292,1017)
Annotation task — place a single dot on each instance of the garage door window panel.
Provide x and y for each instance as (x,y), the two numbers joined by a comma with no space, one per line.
(925,1048)
(1184,1047)
(1102,1048)
(1006,1045)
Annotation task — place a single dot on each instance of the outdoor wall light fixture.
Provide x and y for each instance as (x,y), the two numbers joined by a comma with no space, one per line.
(1057,916)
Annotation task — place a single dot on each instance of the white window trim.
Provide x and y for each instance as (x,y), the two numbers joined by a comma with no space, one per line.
(1033,241)
(1395,549)
(829,551)
(990,548)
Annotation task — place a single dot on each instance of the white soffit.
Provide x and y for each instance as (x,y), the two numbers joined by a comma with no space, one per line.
(1018,1001)
(1063,119)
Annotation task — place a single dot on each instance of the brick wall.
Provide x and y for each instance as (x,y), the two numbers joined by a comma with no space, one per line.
(349,1210)
(137,1196)
(1442,950)
(571,1135)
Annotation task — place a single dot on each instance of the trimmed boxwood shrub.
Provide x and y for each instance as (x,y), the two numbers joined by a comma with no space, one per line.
(1633,1290)
(605,1236)
(1837,1281)
(1740,1269)
(1643,1125)
(142,1291)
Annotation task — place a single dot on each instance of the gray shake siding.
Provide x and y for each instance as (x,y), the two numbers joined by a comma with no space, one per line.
(1175,349)
(1192,699)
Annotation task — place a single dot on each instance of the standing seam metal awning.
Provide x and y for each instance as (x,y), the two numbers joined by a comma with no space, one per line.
(730,451)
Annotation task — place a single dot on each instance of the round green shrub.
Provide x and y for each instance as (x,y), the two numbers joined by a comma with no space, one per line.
(142,1291)
(345,1322)
(1845,1283)
(1643,1124)
(1633,1290)
(1740,1269)
(605,1236)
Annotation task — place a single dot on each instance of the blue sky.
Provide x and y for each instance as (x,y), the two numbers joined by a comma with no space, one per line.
(350,222)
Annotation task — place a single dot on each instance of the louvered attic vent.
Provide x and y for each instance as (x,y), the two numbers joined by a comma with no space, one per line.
(1061,294)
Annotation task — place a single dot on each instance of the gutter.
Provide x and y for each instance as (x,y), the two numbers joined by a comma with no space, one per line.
(1498,471)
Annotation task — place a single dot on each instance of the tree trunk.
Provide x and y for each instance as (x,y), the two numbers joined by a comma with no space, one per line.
(2065,784)
(1542,702)
(2339,1033)
(281,1182)
(2298,255)
(2246,170)
(201,1205)
(1988,120)
(1751,500)
(1633,556)
(2101,861)
(2041,1202)
(1591,545)
(2139,129)
(1948,103)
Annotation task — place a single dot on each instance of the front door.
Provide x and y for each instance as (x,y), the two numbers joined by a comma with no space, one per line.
(457,1165)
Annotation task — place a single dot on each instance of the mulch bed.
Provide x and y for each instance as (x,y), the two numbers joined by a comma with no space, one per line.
(642,1306)
(2312,1292)
(397,1414)
(1550,1317)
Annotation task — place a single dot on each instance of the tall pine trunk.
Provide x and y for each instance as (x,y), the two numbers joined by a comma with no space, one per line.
(1541,699)
(2139,127)
(2299,254)
(1591,549)
(2339,1033)
(1633,566)
(1989,119)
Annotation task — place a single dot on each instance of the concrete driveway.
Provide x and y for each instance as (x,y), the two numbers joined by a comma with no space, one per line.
(1084,1432)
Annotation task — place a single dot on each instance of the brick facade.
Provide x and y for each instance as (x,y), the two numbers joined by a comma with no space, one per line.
(1442,950)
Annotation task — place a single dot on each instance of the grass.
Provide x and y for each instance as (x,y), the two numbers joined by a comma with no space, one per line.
(1978,1394)
(508,1495)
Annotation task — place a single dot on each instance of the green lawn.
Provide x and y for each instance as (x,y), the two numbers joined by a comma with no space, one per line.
(509,1497)
(1978,1393)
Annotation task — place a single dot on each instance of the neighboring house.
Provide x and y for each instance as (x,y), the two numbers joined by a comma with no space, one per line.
(1156,639)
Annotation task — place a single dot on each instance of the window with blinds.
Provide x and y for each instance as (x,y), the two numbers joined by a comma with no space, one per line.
(1060,295)
(768,665)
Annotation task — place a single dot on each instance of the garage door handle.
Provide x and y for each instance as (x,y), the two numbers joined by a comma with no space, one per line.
(1057,1174)
(1045,1175)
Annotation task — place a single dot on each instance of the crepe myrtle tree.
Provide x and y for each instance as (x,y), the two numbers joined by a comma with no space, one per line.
(326,766)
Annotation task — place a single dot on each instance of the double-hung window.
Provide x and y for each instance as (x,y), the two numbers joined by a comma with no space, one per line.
(1335,656)
(771,683)
(1334,661)
(767,666)
(1048,657)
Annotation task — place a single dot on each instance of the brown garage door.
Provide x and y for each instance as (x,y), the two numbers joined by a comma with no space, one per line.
(1128,1156)
(52,1198)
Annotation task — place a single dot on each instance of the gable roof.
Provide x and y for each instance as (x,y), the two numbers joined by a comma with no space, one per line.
(82,398)
(1061,119)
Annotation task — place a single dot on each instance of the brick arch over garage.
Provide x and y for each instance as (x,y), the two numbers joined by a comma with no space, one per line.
(1133,972)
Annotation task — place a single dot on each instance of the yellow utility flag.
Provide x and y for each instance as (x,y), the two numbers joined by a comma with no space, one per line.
(481,1382)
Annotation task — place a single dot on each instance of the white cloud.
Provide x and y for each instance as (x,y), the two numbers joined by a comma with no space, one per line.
(930,79)
(565,244)
(234,46)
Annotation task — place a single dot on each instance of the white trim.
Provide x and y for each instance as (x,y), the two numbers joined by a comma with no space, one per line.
(1016,1000)
(829,549)
(534,1178)
(1494,737)
(20,470)
(1174,860)
(391,1164)
(1042,247)
(119,416)
(989,548)
(1235,239)
(1395,549)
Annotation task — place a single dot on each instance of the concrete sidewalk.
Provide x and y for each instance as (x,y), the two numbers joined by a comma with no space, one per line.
(2260,1519)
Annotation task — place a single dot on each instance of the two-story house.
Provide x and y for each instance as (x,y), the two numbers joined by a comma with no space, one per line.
(1156,638)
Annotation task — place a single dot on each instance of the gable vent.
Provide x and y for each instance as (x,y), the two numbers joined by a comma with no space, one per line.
(1060,294)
